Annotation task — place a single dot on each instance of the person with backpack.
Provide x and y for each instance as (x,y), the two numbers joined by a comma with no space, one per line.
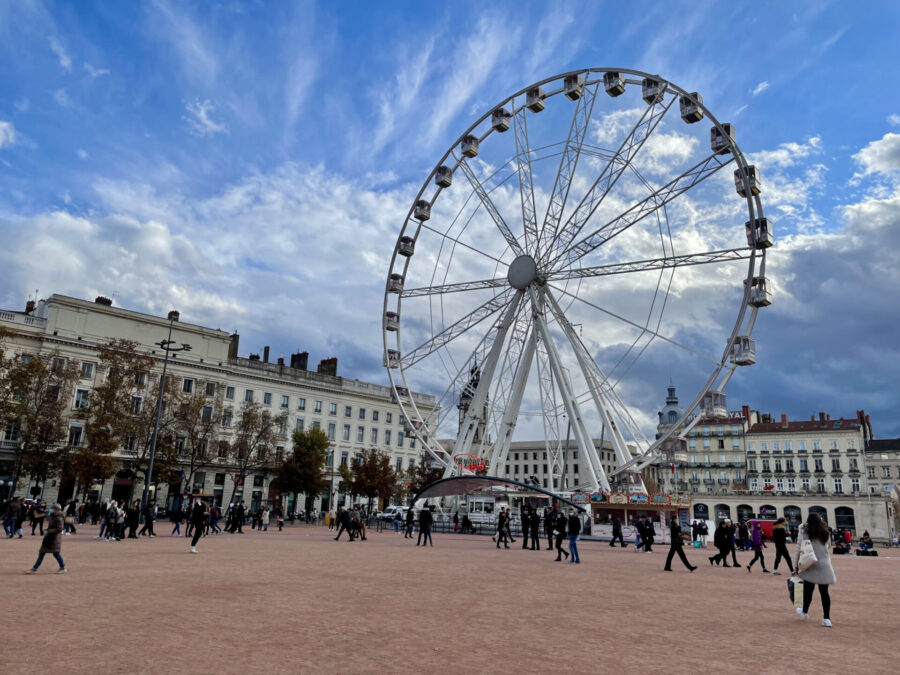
(820,573)
(52,541)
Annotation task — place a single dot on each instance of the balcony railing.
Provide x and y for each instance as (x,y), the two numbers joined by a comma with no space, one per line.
(24,319)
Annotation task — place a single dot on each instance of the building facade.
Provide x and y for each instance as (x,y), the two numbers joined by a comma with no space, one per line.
(355,415)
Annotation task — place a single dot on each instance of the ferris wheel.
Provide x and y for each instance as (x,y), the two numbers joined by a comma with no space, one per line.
(580,237)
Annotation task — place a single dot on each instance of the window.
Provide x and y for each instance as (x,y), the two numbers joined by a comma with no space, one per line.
(362,413)
(776,446)
(267,398)
(834,445)
(57,364)
(285,401)
(331,429)
(767,483)
(765,464)
(412,463)
(329,459)
(885,472)
(399,464)
(692,444)
(128,445)
(778,466)
(854,485)
(750,446)
(257,481)
(854,464)
(804,465)
(348,411)
(387,436)
(706,431)
(317,424)
(835,465)
(374,437)
(187,386)
(399,440)
(779,484)
(804,483)
(210,388)
(229,393)
(754,484)
(817,445)
(81,398)
(851,444)
(219,479)
(819,466)
(706,444)
(248,395)
(820,484)
(801,446)
(346,432)
(838,486)
(764,446)
(412,443)
(787,446)
(75,436)
(206,414)
(140,379)
(751,465)
(735,431)
(332,408)
(360,434)
(387,418)
(374,415)
(318,407)
(299,424)
(789,465)
(871,472)
(226,418)
(87,369)
(791,485)
(223,449)
(301,404)
(735,443)
(180,444)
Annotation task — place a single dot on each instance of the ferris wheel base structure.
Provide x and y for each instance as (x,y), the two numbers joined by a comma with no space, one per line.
(500,267)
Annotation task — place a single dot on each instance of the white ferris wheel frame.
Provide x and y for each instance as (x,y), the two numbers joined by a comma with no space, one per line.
(533,339)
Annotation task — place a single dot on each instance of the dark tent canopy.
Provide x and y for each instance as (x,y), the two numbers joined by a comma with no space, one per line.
(483,485)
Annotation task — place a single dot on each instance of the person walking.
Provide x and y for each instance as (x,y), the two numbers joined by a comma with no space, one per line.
(732,544)
(779,536)
(676,546)
(648,534)
(574,530)
(502,525)
(52,541)
(703,530)
(743,536)
(177,519)
(344,524)
(199,515)
(535,530)
(132,518)
(758,545)
(426,518)
(149,517)
(71,513)
(821,573)
(560,527)
(410,522)
(722,541)
(550,525)
(265,519)
(526,526)
(38,513)
(11,517)
(617,532)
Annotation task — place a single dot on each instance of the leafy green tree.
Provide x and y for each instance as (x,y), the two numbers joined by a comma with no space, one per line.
(423,474)
(370,475)
(198,425)
(253,444)
(303,470)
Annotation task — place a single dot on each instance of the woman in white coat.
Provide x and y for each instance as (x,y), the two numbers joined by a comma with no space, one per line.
(819,573)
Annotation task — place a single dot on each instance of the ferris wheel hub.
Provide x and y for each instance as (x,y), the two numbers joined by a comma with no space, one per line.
(522,272)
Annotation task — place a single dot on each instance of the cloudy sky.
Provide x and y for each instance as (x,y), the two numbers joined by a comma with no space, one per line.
(251,164)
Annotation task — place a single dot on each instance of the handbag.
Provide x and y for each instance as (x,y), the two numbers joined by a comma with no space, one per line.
(696,544)
(807,556)
(69,520)
(795,591)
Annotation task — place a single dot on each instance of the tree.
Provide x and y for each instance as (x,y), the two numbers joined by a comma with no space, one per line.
(253,445)
(42,389)
(86,466)
(423,474)
(303,471)
(370,475)
(7,365)
(197,427)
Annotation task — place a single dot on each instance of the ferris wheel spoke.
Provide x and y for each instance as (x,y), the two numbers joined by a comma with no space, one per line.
(458,242)
(647,206)
(511,410)
(611,172)
(453,331)
(550,415)
(491,207)
(668,262)
(567,164)
(526,185)
(454,288)
(641,328)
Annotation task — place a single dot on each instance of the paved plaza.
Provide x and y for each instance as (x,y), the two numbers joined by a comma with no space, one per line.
(298,602)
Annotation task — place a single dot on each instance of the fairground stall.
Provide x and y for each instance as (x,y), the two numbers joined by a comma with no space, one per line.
(629,508)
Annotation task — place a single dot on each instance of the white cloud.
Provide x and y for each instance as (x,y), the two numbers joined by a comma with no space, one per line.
(191,44)
(82,154)
(760,88)
(64,59)
(199,121)
(95,72)
(894,119)
(62,98)
(740,110)
(298,88)
(881,156)
(7,134)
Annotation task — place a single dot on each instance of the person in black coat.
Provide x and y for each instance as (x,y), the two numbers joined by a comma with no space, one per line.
(502,528)
(526,525)
(732,546)
(426,518)
(410,521)
(560,526)
(617,532)
(344,524)
(199,514)
(648,532)
(677,546)
(722,541)
(549,526)
(573,527)
(535,525)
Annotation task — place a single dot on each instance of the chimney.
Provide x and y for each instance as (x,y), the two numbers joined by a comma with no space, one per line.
(745,411)
(280,360)
(828,416)
(784,421)
(328,366)
(300,361)
(266,354)
(254,357)
(103,300)
(821,417)
(233,347)
(29,306)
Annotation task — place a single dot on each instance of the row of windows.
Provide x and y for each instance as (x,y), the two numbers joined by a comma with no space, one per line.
(720,444)
(534,455)
(790,484)
(778,446)
(885,472)
(535,468)
(720,431)
(818,464)
(250,394)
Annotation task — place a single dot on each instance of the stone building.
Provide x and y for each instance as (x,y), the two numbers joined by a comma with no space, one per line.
(355,415)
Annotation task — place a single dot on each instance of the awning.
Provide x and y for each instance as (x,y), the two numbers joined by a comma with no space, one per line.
(485,486)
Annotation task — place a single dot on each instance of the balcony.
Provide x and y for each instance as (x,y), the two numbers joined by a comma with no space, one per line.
(24,319)
(695,481)
(709,481)
(9,445)
(724,481)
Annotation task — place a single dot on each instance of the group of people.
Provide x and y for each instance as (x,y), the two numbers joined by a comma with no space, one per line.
(352,521)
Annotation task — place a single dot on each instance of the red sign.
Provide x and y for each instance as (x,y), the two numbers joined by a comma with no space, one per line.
(471,463)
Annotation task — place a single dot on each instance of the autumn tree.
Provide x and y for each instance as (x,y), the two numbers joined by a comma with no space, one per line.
(7,365)
(43,393)
(197,428)
(252,448)
(370,475)
(303,470)
(423,474)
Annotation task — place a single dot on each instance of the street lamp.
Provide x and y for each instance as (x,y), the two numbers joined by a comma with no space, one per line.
(166,345)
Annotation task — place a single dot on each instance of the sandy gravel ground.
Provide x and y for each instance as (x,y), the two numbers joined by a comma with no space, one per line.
(298,602)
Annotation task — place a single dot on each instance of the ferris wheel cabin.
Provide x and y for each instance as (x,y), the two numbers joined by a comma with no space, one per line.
(752,177)
(759,235)
(443,177)
(393,358)
(614,83)
(760,293)
(743,351)
(470,146)
(721,142)
(574,86)
(652,90)
(690,108)
(395,283)
(407,246)
(714,404)
(392,321)
(422,210)
(534,100)
(500,119)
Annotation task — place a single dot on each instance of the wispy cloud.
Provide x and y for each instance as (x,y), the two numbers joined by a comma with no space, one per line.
(894,119)
(62,98)
(199,121)
(397,98)
(761,87)
(22,104)
(95,72)
(300,78)
(64,59)
(7,133)
(191,44)
(740,110)
(82,154)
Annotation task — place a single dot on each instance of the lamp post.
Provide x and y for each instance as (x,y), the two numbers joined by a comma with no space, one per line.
(166,345)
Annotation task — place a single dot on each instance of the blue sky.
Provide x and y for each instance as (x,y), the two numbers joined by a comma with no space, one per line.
(251,163)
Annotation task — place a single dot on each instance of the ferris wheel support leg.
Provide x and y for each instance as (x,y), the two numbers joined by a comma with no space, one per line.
(511,414)
(594,377)
(475,415)
(579,428)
